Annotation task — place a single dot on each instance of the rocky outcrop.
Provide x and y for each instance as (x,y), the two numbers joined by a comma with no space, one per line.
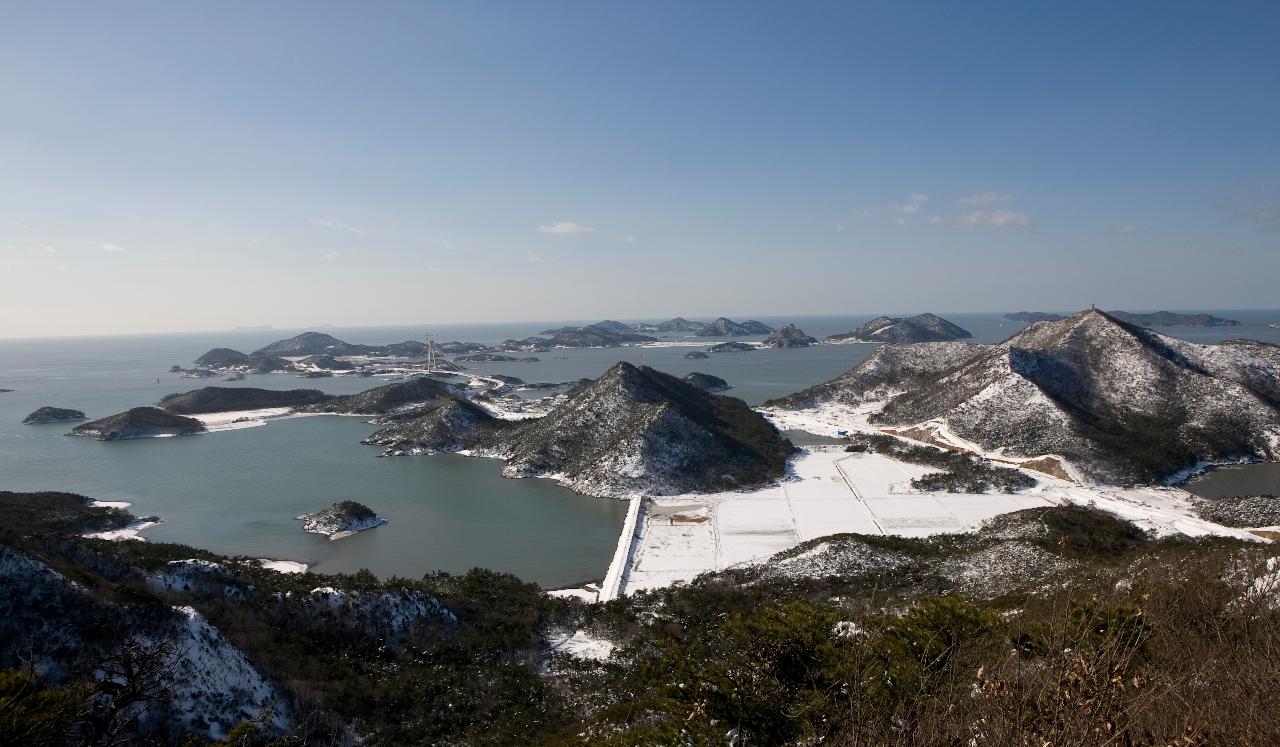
(49,414)
(694,355)
(229,399)
(1170,319)
(724,327)
(342,519)
(789,336)
(707,382)
(140,422)
(919,328)
(636,430)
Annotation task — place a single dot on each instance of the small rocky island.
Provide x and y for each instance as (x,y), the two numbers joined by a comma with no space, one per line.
(789,336)
(49,414)
(140,422)
(694,355)
(342,519)
(731,347)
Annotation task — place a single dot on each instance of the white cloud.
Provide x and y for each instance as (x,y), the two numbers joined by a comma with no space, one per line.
(433,268)
(937,220)
(628,239)
(995,218)
(902,210)
(565,228)
(326,223)
(1125,230)
(329,255)
(42,249)
(110,248)
(985,199)
(536,258)
(840,227)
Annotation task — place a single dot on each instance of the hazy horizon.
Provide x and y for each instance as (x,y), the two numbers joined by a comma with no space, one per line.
(175,168)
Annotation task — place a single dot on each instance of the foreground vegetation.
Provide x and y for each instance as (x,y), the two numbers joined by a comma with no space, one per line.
(1140,642)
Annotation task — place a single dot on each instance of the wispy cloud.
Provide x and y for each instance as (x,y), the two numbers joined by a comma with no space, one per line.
(1257,209)
(985,199)
(326,223)
(330,255)
(110,248)
(627,239)
(899,210)
(996,219)
(840,227)
(41,249)
(1125,230)
(536,258)
(565,228)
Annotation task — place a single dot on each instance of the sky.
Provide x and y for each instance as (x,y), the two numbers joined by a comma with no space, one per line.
(200,166)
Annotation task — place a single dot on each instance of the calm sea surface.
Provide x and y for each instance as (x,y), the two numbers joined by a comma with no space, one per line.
(238,492)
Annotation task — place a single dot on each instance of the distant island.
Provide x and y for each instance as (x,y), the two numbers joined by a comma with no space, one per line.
(1155,319)
(1033,316)
(48,414)
(1171,319)
(789,336)
(919,328)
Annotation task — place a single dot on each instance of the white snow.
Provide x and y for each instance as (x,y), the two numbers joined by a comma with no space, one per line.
(130,531)
(579,644)
(831,491)
(213,686)
(237,419)
(283,566)
(109,504)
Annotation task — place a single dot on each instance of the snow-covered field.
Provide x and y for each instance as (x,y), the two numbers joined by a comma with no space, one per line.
(832,491)
(235,420)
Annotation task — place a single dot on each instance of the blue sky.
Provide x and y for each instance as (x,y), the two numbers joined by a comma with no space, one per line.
(181,166)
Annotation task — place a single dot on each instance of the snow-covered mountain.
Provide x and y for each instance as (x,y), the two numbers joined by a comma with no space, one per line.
(1119,402)
(637,430)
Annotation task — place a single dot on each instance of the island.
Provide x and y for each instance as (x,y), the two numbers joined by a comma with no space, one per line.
(694,355)
(49,414)
(789,336)
(342,519)
(1171,319)
(725,327)
(140,422)
(731,347)
(1032,316)
(919,328)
